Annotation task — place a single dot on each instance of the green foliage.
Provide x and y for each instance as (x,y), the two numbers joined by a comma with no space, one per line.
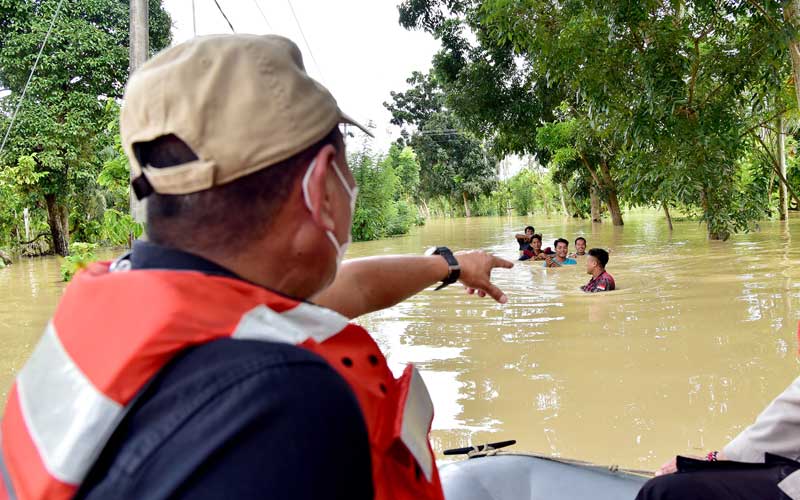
(405,216)
(81,255)
(56,148)
(403,162)
(654,101)
(487,205)
(118,226)
(531,192)
(386,186)
(115,174)
(523,192)
(453,162)
(441,206)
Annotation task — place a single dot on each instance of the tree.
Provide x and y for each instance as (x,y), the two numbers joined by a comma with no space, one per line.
(384,206)
(453,162)
(664,85)
(580,153)
(403,162)
(61,127)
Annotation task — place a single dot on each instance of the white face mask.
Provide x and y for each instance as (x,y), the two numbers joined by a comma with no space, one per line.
(341,248)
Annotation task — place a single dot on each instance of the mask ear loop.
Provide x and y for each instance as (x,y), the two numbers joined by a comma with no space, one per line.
(306,178)
(350,191)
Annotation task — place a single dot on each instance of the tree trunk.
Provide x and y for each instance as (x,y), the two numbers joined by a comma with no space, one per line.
(613,207)
(776,168)
(606,183)
(26,220)
(784,195)
(563,201)
(613,201)
(426,209)
(772,177)
(63,211)
(59,226)
(791,14)
(545,200)
(595,202)
(714,235)
(467,213)
(669,217)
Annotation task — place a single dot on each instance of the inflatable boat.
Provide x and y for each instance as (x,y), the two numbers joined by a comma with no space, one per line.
(491,474)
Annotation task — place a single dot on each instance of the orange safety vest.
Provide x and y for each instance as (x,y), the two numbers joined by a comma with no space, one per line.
(113,331)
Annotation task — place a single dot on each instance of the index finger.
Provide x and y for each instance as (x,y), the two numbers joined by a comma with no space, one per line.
(498,262)
(495,293)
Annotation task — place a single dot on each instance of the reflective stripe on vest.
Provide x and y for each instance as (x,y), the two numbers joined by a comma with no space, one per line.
(77,386)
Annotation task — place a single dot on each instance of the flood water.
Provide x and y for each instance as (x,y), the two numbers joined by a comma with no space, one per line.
(697,339)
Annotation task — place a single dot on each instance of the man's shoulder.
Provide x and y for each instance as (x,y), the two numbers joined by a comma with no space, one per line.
(228,355)
(199,405)
(229,351)
(570,262)
(215,366)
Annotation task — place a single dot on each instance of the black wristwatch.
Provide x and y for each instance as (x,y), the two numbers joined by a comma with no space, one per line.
(455,269)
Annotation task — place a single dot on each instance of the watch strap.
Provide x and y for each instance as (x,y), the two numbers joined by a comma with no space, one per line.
(452,262)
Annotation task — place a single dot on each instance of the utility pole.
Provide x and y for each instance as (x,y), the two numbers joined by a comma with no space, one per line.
(139,49)
(784,194)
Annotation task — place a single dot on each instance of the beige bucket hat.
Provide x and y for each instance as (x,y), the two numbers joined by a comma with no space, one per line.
(240,102)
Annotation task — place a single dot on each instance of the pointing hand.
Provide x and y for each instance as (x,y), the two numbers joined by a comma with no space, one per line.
(476,273)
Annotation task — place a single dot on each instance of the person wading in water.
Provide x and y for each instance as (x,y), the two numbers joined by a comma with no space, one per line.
(601,280)
(580,247)
(525,241)
(560,259)
(217,360)
(535,251)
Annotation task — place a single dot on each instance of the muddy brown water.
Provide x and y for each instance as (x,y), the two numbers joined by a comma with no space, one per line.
(697,340)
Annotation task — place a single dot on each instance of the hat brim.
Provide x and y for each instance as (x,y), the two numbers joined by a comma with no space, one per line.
(345,118)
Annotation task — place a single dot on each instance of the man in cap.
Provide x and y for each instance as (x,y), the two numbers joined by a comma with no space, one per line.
(217,360)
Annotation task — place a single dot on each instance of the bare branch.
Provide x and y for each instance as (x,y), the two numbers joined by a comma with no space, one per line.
(40,235)
(776,167)
(763,12)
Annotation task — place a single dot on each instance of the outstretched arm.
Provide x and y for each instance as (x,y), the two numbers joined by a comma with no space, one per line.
(374,283)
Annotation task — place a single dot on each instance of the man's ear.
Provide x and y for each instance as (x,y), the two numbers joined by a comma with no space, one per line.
(318,188)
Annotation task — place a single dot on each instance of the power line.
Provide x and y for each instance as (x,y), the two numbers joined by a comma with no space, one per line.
(297,21)
(30,77)
(223,15)
(442,131)
(263,15)
(194,19)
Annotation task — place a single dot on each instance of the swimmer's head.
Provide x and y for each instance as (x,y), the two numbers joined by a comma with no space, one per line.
(580,245)
(597,260)
(536,242)
(562,247)
(529,231)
